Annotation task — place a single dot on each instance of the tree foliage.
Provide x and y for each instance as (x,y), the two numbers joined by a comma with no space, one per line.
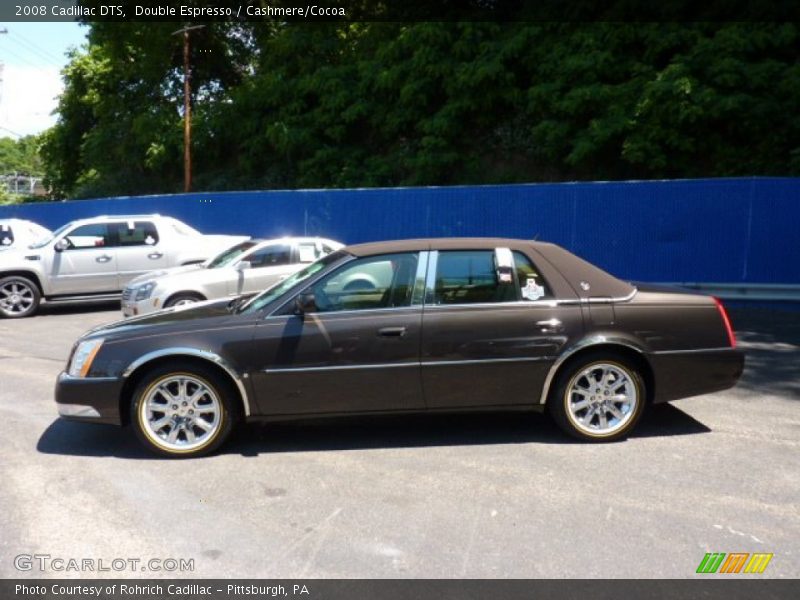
(285,105)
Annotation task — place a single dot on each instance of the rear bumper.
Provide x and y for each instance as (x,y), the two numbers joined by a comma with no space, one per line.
(681,374)
(89,399)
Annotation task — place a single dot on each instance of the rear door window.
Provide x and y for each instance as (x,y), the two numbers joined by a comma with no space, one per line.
(471,277)
(6,235)
(137,233)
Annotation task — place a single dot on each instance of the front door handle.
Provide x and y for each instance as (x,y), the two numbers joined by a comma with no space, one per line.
(103,258)
(155,255)
(550,326)
(392,332)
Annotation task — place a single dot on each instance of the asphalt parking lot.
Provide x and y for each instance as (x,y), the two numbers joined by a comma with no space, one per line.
(448,496)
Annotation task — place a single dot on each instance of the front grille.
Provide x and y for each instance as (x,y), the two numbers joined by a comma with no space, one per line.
(127,293)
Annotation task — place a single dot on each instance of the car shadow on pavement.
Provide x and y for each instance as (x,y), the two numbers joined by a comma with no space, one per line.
(76,309)
(360,433)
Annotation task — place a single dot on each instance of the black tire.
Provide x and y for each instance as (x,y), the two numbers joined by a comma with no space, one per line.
(19,297)
(144,419)
(562,403)
(183,298)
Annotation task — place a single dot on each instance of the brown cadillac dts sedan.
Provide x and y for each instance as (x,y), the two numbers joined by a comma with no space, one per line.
(412,325)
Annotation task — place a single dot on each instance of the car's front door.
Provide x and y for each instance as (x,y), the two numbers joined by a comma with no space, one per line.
(490,335)
(140,250)
(357,351)
(87,265)
(268,265)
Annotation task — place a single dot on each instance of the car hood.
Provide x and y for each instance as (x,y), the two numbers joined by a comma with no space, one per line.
(193,317)
(153,275)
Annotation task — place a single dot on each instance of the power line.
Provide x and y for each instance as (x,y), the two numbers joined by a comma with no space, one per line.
(33,50)
(42,51)
(19,135)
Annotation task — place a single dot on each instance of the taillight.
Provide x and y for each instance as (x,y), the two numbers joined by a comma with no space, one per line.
(724,314)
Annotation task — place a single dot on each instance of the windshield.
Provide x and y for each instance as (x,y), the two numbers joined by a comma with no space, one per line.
(273,293)
(228,256)
(51,236)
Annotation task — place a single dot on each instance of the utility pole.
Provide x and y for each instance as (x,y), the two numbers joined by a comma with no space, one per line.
(187,108)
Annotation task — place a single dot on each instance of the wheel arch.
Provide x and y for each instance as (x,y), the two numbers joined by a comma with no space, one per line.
(201,297)
(32,275)
(594,345)
(134,373)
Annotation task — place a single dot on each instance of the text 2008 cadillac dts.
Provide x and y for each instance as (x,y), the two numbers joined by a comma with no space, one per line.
(407,326)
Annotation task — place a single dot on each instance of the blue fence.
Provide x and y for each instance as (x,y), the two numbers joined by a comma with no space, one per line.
(714,230)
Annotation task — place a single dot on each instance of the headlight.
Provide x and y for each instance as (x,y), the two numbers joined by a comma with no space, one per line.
(83,357)
(143,292)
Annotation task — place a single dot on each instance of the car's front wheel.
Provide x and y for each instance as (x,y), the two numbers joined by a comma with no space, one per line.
(183,410)
(19,297)
(598,398)
(183,299)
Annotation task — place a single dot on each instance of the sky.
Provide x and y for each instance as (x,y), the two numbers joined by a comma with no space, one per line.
(32,56)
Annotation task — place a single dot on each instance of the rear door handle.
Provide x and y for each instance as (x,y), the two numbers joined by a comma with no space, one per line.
(104,258)
(392,332)
(550,326)
(155,255)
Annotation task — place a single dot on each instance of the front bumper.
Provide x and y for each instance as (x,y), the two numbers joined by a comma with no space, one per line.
(695,372)
(89,399)
(131,308)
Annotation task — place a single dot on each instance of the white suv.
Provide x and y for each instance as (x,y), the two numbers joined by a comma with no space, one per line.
(250,266)
(93,259)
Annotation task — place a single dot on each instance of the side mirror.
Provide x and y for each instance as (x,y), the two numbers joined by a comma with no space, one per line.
(61,245)
(243,265)
(305,303)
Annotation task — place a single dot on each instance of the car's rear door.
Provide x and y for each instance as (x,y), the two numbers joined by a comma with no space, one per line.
(359,351)
(140,249)
(490,331)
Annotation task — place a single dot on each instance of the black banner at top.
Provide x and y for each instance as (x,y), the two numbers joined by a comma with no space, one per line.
(399,10)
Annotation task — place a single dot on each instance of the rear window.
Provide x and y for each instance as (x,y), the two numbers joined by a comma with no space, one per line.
(6,235)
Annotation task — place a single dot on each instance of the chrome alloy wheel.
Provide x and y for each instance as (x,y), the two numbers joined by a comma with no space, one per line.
(16,297)
(180,412)
(601,398)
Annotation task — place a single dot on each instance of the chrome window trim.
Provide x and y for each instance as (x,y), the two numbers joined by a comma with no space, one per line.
(197,353)
(430,278)
(418,293)
(581,345)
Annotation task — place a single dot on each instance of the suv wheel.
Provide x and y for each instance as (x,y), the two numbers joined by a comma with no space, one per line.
(19,297)
(183,410)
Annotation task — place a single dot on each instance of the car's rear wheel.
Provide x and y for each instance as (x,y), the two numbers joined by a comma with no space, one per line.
(184,410)
(598,398)
(183,299)
(19,297)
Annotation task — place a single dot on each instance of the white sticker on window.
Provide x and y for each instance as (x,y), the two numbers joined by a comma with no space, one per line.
(6,241)
(532,290)
(4,227)
(149,240)
(307,253)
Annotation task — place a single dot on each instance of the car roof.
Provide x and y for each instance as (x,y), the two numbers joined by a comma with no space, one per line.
(413,245)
